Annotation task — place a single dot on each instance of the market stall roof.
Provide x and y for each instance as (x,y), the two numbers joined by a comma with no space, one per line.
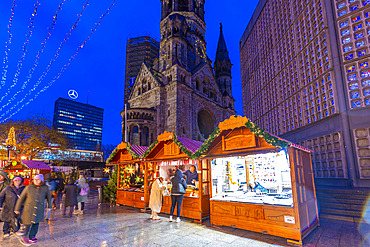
(174,147)
(235,122)
(29,164)
(136,151)
(34,164)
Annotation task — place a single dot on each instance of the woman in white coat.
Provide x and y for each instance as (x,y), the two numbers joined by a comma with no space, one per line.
(155,202)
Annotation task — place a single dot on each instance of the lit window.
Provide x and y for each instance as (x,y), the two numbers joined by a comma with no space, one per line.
(349,57)
(356,19)
(342,12)
(353,86)
(352,77)
(365,2)
(367,101)
(365,73)
(344,24)
(341,5)
(358,27)
(355,95)
(347,48)
(354,7)
(346,40)
(364,65)
(359,36)
(345,32)
(356,103)
(366,83)
(367,92)
(351,68)
(359,44)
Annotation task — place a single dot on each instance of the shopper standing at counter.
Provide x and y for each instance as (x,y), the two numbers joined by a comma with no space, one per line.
(191,175)
(155,202)
(177,193)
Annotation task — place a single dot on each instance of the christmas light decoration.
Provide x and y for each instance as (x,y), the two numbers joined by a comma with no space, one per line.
(36,61)
(20,62)
(107,170)
(11,137)
(7,48)
(57,76)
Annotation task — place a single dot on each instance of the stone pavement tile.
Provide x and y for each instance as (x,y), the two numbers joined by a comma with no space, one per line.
(325,242)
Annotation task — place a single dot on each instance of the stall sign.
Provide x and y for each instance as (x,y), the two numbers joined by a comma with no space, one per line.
(14,163)
(238,142)
(289,219)
(233,122)
(125,157)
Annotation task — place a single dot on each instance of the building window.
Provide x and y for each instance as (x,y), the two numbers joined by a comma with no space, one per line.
(347,48)
(355,95)
(183,130)
(353,86)
(352,77)
(346,40)
(145,136)
(343,12)
(364,65)
(356,19)
(345,32)
(349,57)
(344,24)
(366,83)
(365,73)
(351,68)
(359,44)
(169,113)
(358,27)
(135,135)
(341,5)
(359,36)
(354,7)
(361,53)
(367,102)
(367,92)
(356,104)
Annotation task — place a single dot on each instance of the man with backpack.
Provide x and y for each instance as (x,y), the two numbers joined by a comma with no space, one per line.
(83,191)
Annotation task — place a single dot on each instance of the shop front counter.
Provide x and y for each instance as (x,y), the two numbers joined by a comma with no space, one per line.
(131,198)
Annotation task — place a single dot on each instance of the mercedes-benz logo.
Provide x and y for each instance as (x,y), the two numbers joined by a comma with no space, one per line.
(72,94)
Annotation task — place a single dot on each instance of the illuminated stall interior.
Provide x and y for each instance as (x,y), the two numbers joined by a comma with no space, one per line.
(169,153)
(27,169)
(260,182)
(131,190)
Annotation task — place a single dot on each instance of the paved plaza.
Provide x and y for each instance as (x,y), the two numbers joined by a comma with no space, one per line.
(107,225)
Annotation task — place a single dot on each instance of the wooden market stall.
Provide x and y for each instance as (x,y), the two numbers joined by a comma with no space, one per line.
(27,169)
(131,189)
(260,182)
(170,152)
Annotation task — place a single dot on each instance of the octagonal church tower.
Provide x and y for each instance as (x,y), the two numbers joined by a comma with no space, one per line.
(182,92)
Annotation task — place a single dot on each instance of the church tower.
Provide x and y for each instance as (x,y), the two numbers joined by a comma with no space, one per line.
(180,92)
(223,69)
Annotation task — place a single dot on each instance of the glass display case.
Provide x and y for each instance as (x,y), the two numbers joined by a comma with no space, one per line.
(260,179)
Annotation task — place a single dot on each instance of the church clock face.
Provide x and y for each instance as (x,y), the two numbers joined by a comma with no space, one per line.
(162,50)
(200,48)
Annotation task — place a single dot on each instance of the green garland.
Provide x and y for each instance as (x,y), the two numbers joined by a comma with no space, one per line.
(131,152)
(181,146)
(272,140)
(149,149)
(111,156)
(204,147)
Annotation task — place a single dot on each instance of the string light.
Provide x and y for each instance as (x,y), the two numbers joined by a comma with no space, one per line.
(48,67)
(20,62)
(61,71)
(7,48)
(36,61)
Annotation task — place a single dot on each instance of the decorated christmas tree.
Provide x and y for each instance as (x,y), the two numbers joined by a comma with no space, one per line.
(110,191)
(11,137)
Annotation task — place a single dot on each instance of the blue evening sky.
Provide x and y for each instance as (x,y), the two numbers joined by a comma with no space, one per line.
(100,66)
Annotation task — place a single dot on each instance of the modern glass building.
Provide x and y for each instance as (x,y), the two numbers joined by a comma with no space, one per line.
(139,50)
(306,77)
(81,123)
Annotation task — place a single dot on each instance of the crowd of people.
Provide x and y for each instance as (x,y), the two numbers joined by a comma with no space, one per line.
(23,208)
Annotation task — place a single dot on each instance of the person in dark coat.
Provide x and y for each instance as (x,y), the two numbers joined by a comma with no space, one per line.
(4,182)
(191,175)
(177,193)
(8,199)
(32,199)
(70,197)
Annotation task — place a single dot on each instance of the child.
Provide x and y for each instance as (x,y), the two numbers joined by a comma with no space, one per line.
(33,197)
(70,197)
(8,199)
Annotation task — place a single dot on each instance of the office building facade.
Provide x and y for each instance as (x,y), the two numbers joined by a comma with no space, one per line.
(139,50)
(81,123)
(306,77)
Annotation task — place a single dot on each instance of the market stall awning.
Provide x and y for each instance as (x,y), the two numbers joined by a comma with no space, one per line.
(190,145)
(139,150)
(34,164)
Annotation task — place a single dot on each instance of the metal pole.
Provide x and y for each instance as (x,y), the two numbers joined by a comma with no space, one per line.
(125,122)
